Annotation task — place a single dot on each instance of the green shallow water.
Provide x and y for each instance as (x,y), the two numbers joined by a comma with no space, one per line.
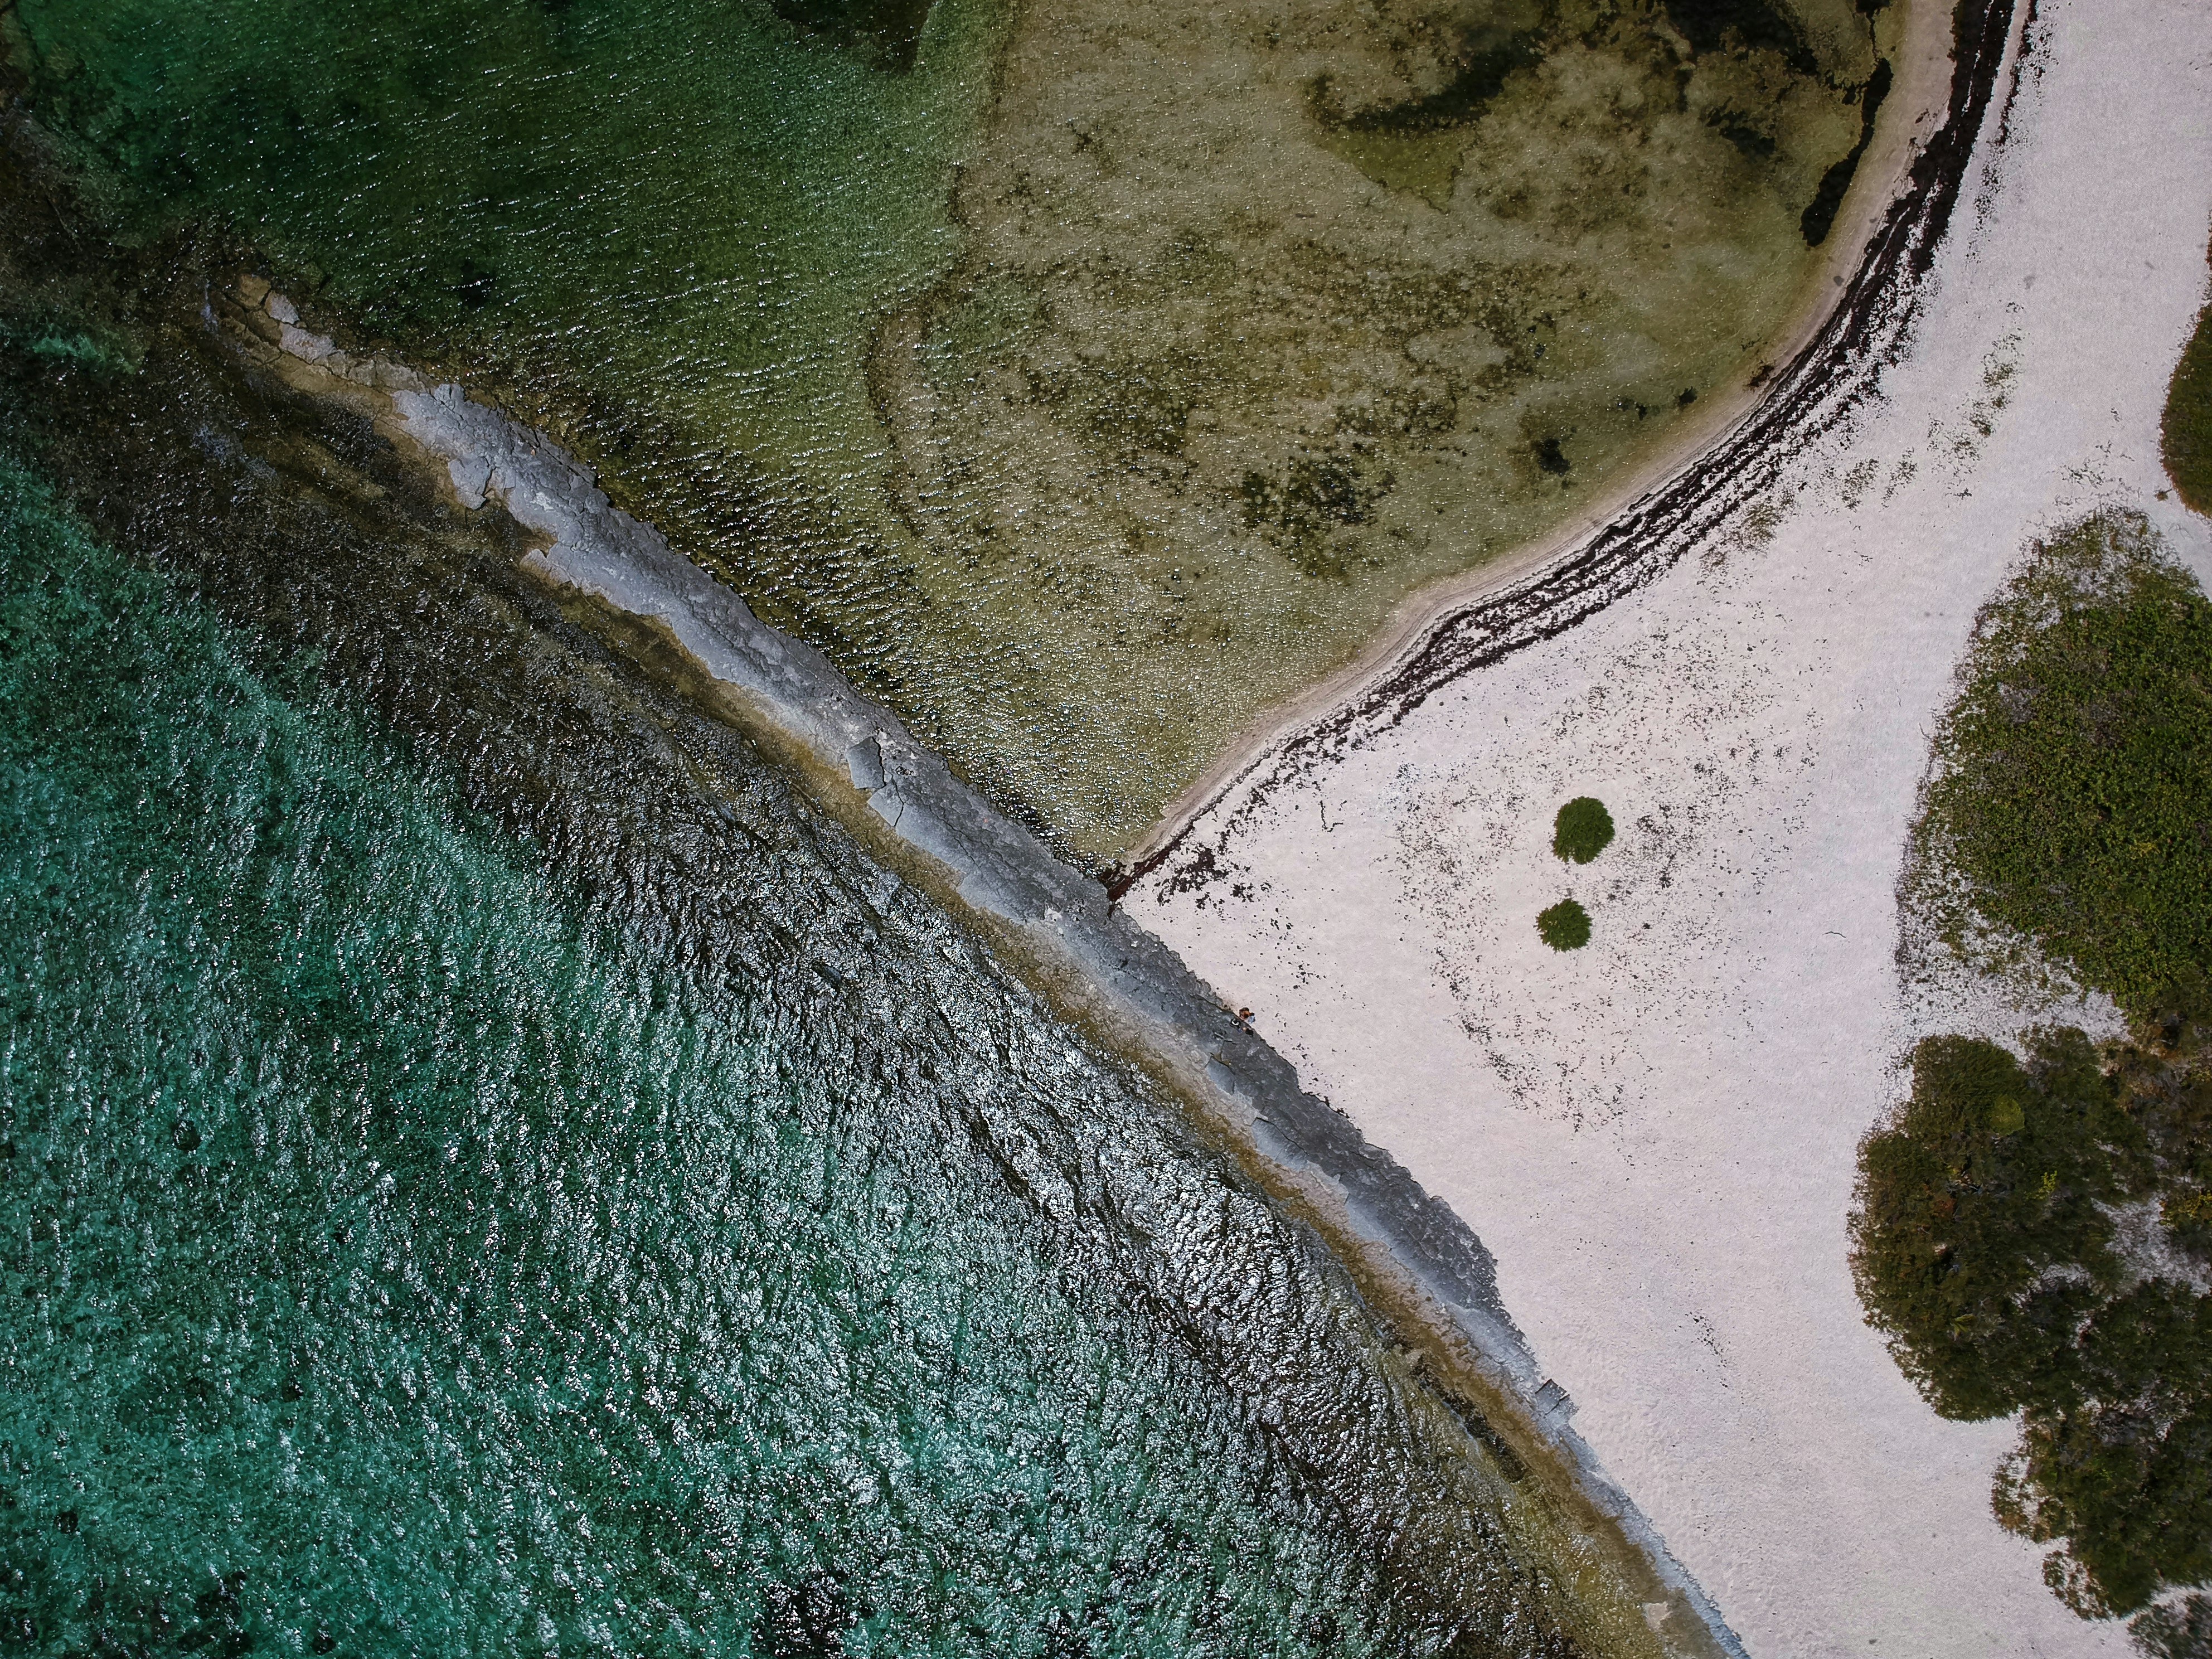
(656,1232)
(1084,378)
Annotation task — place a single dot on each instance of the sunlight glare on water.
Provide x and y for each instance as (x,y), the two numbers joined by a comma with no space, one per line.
(663,1236)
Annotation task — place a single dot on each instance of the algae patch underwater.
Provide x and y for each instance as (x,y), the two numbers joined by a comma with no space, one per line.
(1084,382)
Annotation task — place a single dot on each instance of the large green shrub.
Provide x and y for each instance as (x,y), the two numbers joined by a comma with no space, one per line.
(1985,1247)
(2188,424)
(2072,799)
(2068,823)
(1993,1172)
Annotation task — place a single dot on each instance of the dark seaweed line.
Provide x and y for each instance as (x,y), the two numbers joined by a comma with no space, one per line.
(1836,372)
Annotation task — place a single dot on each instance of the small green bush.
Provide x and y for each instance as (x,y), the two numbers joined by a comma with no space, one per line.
(2188,427)
(1583,830)
(1564,927)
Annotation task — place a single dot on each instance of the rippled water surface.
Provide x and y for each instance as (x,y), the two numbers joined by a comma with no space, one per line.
(515,1179)
(486,1165)
(1084,378)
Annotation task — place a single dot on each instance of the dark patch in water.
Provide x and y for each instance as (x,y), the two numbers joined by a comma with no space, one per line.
(805,1620)
(475,284)
(1712,25)
(885,33)
(1317,494)
(1820,212)
(1485,65)
(1750,143)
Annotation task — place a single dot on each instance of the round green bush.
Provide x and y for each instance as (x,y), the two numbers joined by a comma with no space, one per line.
(1583,830)
(1565,926)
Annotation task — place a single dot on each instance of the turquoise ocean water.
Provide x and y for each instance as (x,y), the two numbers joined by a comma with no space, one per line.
(665,1234)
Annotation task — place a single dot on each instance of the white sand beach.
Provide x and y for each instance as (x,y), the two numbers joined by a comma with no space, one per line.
(1657,1135)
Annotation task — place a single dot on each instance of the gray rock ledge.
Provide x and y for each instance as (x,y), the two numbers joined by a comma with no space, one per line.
(1136,986)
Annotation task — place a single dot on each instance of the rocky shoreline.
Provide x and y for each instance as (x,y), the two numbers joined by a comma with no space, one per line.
(1409,1250)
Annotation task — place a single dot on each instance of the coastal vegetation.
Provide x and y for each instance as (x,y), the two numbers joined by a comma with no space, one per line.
(2187,431)
(2181,1629)
(1565,925)
(1583,830)
(1080,404)
(2070,813)
(2034,1230)
(2036,1236)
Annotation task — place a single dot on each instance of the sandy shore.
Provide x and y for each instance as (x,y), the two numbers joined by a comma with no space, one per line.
(1657,1135)
(1919,101)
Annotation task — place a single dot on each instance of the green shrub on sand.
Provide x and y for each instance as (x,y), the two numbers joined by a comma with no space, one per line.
(2181,1630)
(1564,927)
(1583,830)
(2032,1232)
(2072,801)
(2188,428)
(1988,1246)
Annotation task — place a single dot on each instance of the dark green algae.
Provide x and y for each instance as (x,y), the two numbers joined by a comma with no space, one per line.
(484,1163)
